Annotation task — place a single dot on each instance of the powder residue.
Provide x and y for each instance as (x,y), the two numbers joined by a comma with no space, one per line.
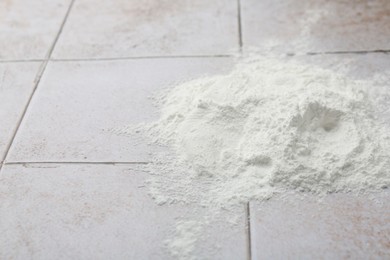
(182,243)
(266,127)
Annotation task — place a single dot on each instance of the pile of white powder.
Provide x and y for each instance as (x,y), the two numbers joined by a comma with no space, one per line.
(266,127)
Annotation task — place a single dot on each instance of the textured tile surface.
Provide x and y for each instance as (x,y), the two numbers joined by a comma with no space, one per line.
(51,211)
(123,28)
(76,102)
(316,26)
(28,28)
(338,227)
(16,85)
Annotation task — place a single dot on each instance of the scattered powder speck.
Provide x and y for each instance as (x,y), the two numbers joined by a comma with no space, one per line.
(266,127)
(183,242)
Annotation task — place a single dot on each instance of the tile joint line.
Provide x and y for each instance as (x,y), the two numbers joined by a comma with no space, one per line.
(144,57)
(20,61)
(51,50)
(186,56)
(248,222)
(239,24)
(36,83)
(210,56)
(69,162)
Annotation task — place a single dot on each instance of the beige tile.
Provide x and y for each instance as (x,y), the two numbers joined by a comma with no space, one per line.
(77,101)
(16,85)
(28,28)
(340,226)
(52,211)
(316,26)
(122,28)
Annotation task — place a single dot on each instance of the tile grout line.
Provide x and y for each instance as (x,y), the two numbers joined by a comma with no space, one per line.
(36,83)
(146,57)
(50,52)
(343,52)
(1,166)
(17,61)
(69,162)
(248,224)
(190,56)
(239,24)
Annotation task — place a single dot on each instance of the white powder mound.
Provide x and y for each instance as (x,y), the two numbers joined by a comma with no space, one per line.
(270,126)
(267,127)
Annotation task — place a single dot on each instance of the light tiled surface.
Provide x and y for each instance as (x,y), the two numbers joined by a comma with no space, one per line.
(28,28)
(68,210)
(52,211)
(316,26)
(77,101)
(126,28)
(338,227)
(16,85)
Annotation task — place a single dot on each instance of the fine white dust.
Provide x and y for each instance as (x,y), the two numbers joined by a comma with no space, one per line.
(267,127)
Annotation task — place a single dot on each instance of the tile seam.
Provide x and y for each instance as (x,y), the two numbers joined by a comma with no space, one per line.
(75,162)
(189,56)
(240,43)
(248,226)
(36,83)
